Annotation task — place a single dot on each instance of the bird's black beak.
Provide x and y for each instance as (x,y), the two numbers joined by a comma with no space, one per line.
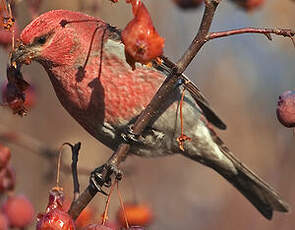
(22,54)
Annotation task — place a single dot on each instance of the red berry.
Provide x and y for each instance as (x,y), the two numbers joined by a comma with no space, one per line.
(19,211)
(3,222)
(188,4)
(5,155)
(286,109)
(9,95)
(142,41)
(55,219)
(97,227)
(137,215)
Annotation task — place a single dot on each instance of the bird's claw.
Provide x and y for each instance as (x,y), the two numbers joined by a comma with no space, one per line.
(129,136)
(101,177)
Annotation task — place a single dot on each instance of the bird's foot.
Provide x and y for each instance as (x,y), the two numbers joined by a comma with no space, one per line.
(130,137)
(101,177)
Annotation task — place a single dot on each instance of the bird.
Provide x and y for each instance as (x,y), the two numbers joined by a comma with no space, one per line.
(85,61)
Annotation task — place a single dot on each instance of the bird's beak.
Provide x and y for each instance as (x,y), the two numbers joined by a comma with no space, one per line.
(23,54)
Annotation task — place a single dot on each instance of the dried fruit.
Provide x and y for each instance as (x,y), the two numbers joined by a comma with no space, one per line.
(142,41)
(14,94)
(19,211)
(286,109)
(55,217)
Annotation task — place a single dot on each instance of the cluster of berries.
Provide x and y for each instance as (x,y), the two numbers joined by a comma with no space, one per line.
(57,218)
(16,210)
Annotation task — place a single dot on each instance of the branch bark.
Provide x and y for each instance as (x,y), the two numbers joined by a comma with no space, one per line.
(164,91)
(266,31)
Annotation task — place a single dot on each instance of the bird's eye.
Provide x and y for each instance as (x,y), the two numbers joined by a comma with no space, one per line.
(41,40)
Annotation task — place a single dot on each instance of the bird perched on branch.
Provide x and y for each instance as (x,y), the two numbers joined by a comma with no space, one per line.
(98,88)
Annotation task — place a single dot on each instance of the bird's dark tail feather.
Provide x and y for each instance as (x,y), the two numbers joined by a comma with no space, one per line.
(260,194)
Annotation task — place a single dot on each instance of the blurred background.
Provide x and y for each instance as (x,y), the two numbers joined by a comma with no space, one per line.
(242,77)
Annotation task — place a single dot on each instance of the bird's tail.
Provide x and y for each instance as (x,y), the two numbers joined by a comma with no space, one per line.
(258,192)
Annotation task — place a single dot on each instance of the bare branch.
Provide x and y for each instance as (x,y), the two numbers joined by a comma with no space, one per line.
(266,31)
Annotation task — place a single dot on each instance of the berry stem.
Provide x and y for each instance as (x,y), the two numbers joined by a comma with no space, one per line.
(122,205)
(105,213)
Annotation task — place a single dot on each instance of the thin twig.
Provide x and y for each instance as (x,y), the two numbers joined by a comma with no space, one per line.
(106,209)
(266,31)
(122,205)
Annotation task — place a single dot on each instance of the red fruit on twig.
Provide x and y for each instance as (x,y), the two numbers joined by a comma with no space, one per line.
(142,41)
(14,94)
(19,211)
(286,109)
(55,217)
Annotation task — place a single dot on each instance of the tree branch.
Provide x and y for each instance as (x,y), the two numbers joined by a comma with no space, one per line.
(164,91)
(266,31)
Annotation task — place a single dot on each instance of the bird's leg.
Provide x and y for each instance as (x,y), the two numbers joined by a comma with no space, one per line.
(101,176)
(129,136)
